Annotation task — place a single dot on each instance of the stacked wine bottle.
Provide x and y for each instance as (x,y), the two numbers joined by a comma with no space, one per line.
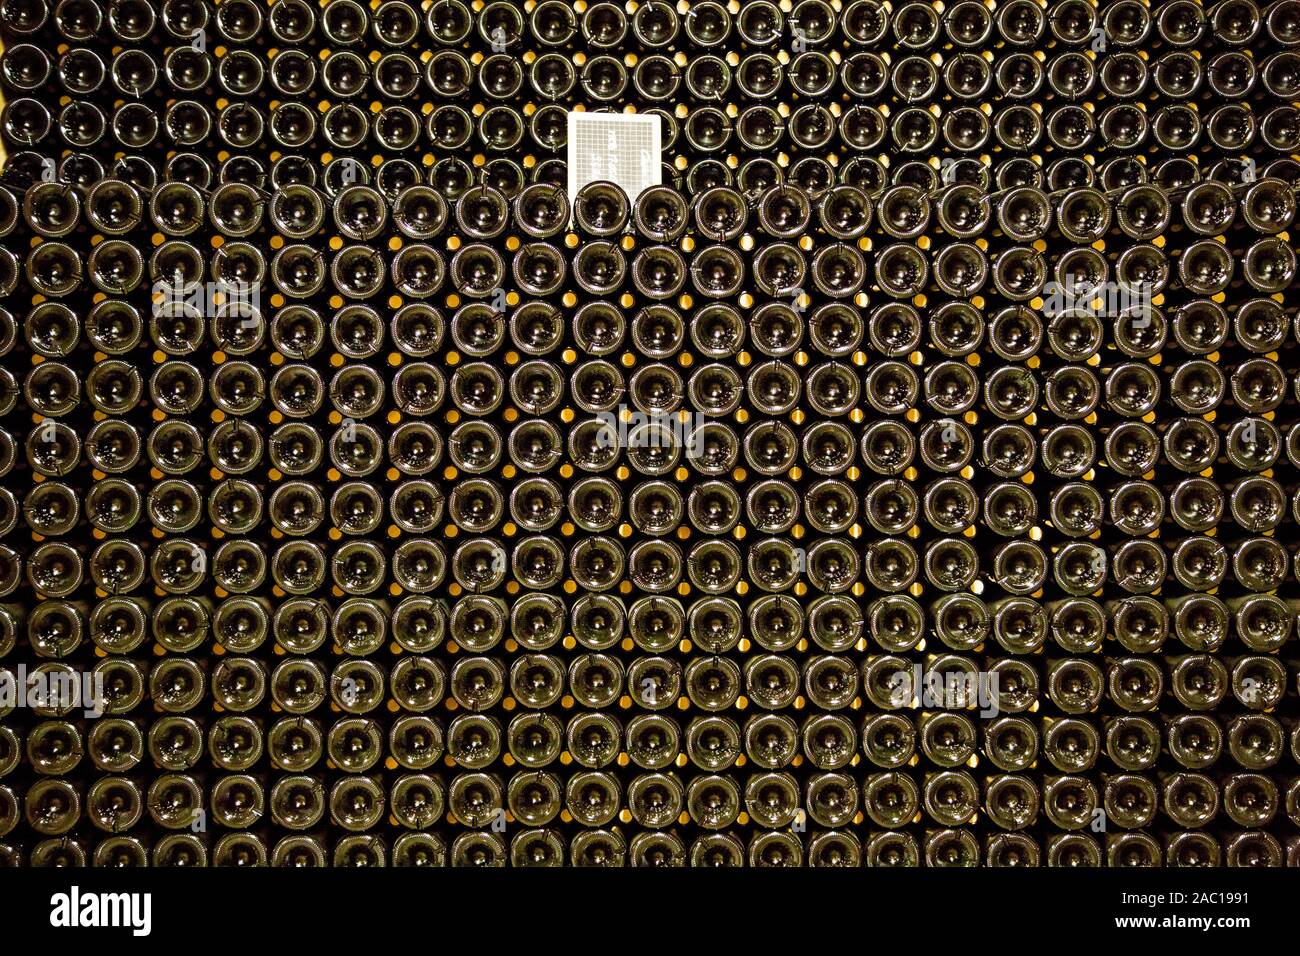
(909,479)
